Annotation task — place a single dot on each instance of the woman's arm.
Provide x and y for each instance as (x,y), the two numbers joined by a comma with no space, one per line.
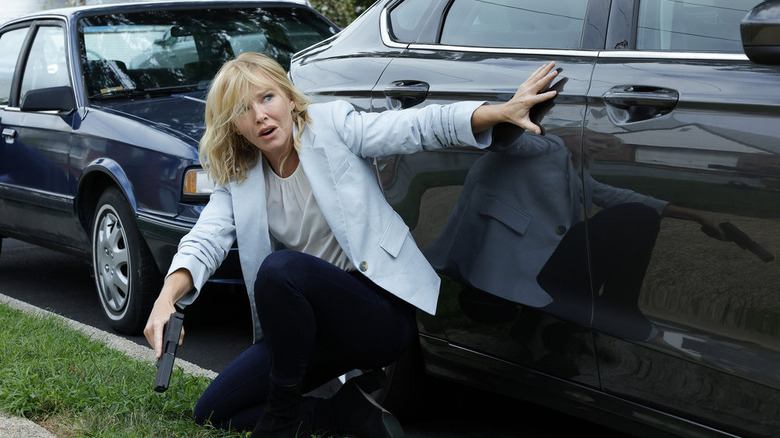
(688,214)
(517,110)
(200,253)
(430,127)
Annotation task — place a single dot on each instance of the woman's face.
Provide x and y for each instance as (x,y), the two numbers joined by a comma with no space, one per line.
(267,120)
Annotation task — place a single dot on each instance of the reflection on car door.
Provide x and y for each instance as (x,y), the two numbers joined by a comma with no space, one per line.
(488,221)
(694,123)
(38,187)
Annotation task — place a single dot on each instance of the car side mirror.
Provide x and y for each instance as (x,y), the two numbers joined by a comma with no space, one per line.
(49,99)
(761,33)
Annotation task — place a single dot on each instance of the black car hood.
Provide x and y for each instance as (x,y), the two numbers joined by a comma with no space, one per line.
(181,115)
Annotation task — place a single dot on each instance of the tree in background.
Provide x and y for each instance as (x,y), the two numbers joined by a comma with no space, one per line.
(54,4)
(341,12)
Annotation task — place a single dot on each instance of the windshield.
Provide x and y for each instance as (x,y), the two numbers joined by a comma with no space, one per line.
(182,49)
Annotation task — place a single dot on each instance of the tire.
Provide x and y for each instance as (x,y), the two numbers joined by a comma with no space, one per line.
(409,389)
(126,276)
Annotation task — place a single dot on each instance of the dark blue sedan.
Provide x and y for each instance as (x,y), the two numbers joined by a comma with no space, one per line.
(101,111)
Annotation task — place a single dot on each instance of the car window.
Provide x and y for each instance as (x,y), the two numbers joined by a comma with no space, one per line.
(515,24)
(163,49)
(46,64)
(691,25)
(10,46)
(408,18)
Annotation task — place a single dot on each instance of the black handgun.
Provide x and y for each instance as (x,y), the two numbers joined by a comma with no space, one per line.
(170,343)
(740,238)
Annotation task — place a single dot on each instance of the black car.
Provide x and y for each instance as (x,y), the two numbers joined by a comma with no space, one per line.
(620,267)
(101,111)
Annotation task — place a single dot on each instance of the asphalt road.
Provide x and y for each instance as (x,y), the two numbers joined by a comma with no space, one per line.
(218,328)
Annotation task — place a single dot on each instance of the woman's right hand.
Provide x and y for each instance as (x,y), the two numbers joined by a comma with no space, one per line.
(518,109)
(155,325)
(176,286)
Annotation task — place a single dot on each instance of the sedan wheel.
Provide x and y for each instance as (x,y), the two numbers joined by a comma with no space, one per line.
(111,261)
(409,390)
(125,275)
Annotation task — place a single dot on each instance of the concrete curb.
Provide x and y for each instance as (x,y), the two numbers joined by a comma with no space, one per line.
(13,427)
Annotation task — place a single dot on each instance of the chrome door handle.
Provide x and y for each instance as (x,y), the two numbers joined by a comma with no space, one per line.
(9,135)
(409,93)
(633,103)
(633,96)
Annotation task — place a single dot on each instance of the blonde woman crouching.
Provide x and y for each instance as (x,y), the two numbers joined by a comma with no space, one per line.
(342,294)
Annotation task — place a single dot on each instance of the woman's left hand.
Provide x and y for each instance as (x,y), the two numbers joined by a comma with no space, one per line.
(517,109)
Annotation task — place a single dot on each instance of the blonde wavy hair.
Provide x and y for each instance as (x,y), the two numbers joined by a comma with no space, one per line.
(225,154)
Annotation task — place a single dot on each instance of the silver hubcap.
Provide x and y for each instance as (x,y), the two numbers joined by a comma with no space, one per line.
(111,262)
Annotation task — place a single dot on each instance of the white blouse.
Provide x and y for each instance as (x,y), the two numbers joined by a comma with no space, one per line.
(295,219)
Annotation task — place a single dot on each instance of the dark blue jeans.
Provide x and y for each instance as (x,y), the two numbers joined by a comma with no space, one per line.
(318,322)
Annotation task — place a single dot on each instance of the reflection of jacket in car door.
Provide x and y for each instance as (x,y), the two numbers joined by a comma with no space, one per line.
(517,203)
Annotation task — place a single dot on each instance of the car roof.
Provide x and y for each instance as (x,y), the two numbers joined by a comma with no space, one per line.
(77,11)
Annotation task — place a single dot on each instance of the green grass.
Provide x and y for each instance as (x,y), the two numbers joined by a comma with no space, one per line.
(77,387)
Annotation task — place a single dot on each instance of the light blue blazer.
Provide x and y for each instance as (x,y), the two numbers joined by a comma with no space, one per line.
(373,236)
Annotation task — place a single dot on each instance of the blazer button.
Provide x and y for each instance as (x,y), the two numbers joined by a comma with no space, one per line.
(561,230)
(363,266)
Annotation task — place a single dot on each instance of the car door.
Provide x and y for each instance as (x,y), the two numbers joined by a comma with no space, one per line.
(328,77)
(37,187)
(487,220)
(11,42)
(685,322)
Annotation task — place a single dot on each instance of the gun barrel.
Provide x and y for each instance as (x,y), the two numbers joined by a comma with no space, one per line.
(170,343)
(745,242)
(164,369)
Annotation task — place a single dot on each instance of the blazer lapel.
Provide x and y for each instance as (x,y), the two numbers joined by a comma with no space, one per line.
(251,221)
(318,167)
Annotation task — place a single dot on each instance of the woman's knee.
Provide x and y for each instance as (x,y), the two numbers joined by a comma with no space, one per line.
(275,275)
(203,412)
(207,407)
(239,389)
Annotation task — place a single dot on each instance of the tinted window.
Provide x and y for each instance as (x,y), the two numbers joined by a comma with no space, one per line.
(408,18)
(10,45)
(515,23)
(691,25)
(160,49)
(46,65)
